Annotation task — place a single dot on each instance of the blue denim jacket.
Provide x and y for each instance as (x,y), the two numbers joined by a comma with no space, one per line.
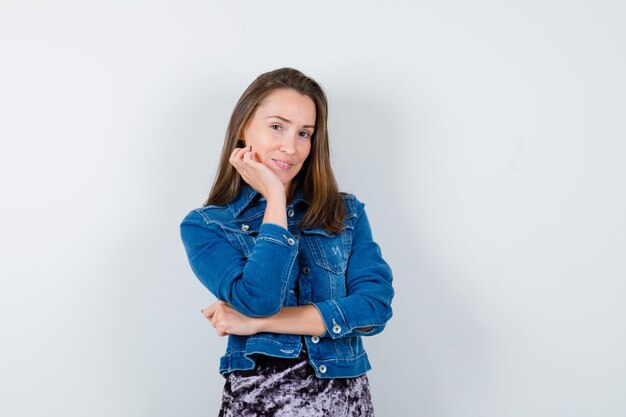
(258,268)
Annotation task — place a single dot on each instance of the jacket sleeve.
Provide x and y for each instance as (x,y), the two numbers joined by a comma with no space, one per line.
(368,284)
(254,286)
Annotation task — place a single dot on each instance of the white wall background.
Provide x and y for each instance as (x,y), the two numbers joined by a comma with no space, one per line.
(487,139)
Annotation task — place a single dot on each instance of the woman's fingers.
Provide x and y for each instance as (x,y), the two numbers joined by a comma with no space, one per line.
(216,314)
(226,320)
(234,158)
(219,317)
(218,320)
(239,154)
(209,312)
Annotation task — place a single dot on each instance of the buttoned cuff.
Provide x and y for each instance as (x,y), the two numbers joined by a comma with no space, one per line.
(278,234)
(336,324)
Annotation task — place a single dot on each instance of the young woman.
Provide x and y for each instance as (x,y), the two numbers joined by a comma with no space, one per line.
(291,259)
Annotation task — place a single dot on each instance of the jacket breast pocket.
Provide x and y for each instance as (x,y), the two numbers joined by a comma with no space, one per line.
(331,253)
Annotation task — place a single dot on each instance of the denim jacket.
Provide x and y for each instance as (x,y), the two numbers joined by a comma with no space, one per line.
(258,268)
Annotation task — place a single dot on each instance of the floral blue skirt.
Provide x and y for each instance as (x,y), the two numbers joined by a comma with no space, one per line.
(289,387)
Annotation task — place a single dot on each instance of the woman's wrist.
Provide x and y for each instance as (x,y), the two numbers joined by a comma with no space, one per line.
(275,210)
(258,324)
(278,195)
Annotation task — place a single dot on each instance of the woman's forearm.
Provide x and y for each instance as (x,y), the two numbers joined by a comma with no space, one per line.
(304,320)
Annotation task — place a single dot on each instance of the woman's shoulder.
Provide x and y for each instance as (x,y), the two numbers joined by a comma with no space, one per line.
(209,214)
(354,206)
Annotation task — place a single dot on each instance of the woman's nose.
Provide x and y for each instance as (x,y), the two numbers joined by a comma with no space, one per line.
(288,145)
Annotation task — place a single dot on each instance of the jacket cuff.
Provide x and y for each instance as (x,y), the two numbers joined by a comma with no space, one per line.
(278,234)
(336,324)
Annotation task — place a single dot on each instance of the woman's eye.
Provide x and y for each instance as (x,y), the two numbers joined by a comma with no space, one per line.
(305,134)
(272,126)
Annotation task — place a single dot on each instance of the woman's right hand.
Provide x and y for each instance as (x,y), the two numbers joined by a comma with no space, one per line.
(255,173)
(226,320)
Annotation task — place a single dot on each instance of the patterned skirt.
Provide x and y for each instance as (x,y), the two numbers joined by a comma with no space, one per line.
(289,387)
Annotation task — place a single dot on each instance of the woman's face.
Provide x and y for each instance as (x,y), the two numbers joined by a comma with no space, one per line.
(280,132)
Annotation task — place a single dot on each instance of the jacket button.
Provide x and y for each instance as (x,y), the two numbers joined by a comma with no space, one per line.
(306,270)
(244,227)
(315,339)
(336,328)
(290,213)
(291,241)
(323,369)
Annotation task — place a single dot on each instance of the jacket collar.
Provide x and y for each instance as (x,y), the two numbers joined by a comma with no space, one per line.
(247,194)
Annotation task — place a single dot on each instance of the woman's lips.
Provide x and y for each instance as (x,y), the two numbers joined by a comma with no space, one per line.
(281,165)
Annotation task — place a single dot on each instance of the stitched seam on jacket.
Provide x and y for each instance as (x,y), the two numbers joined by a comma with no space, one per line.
(271,239)
(342,316)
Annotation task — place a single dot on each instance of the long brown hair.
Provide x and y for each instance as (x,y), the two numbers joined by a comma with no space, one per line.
(316,177)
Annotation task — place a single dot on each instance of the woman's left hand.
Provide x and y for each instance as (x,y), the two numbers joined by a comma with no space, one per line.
(227,320)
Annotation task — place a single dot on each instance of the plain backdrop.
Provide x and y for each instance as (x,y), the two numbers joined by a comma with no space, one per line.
(486,138)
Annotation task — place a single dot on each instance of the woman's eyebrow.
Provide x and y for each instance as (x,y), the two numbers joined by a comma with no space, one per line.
(287,120)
